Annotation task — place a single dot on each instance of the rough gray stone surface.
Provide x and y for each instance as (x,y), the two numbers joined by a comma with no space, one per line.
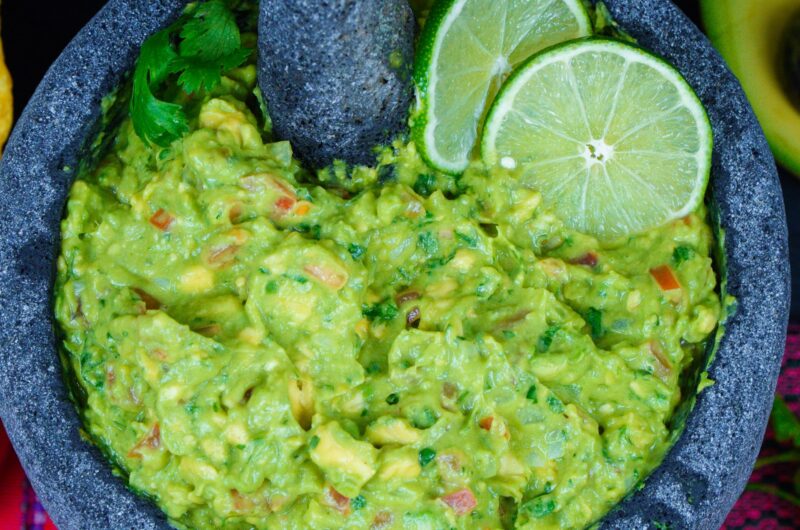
(700,478)
(76,486)
(706,470)
(336,74)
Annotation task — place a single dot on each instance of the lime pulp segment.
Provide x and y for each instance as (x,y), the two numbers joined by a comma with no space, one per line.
(468,48)
(613,137)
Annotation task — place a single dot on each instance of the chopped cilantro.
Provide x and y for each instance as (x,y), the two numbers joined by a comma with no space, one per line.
(392,399)
(425,184)
(531,394)
(426,456)
(541,507)
(381,312)
(546,339)
(303,194)
(594,318)
(423,419)
(470,241)
(555,404)
(315,231)
(437,262)
(358,502)
(356,250)
(313,442)
(428,242)
(299,278)
(271,287)
(681,254)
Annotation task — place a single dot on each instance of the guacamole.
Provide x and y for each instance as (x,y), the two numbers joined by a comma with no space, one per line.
(255,346)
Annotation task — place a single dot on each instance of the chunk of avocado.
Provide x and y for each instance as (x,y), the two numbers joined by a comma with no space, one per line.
(751,35)
(347,463)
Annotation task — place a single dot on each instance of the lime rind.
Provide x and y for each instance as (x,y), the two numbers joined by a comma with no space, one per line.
(623,147)
(490,39)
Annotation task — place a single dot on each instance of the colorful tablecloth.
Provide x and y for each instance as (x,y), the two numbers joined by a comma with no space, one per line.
(756,510)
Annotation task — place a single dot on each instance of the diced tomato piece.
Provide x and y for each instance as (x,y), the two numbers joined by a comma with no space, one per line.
(589,259)
(284,204)
(462,501)
(326,275)
(382,520)
(486,423)
(450,462)
(337,501)
(240,502)
(512,320)
(665,278)
(235,213)
(222,255)
(162,220)
(663,364)
(151,441)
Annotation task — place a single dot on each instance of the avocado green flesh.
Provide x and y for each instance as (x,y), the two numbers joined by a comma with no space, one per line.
(749,35)
(257,351)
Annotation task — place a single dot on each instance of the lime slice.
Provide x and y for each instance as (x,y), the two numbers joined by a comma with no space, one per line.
(467,49)
(613,137)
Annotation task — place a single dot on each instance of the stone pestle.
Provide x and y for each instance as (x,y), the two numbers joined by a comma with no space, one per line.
(336,75)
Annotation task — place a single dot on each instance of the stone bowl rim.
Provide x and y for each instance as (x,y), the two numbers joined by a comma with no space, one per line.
(76,484)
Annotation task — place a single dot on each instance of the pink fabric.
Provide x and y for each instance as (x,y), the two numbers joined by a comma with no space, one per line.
(757,510)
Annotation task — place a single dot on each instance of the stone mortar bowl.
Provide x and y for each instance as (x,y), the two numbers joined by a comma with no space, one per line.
(703,473)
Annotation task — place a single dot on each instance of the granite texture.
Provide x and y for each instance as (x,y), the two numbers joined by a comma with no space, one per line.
(701,476)
(75,484)
(336,75)
(706,470)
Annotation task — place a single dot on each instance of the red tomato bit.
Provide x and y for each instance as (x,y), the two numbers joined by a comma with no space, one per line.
(284,204)
(462,501)
(665,278)
(589,259)
(486,423)
(151,441)
(337,501)
(162,220)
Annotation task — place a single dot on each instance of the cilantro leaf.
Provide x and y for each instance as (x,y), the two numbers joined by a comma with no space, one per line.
(785,423)
(381,312)
(594,318)
(211,33)
(210,44)
(681,253)
(155,121)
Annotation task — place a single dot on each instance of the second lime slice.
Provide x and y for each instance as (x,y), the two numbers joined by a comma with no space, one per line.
(467,49)
(613,137)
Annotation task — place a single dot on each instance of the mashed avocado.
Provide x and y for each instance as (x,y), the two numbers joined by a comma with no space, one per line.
(257,350)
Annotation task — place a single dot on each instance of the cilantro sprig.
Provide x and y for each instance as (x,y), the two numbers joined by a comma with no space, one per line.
(198,48)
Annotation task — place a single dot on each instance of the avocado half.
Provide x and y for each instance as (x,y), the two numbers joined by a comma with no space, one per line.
(752,36)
